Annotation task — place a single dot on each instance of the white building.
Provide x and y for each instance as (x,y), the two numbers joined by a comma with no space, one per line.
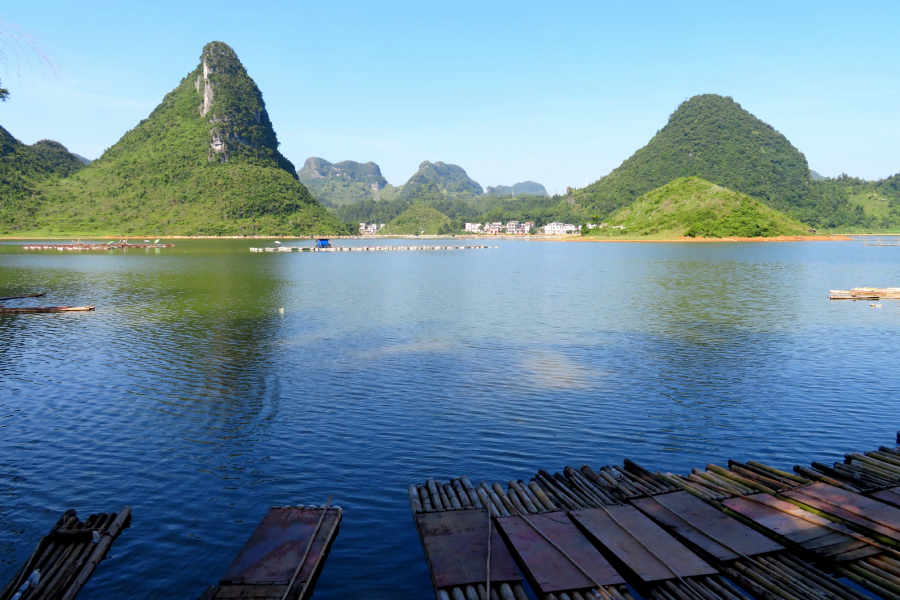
(512,227)
(493,228)
(370,229)
(473,227)
(557,228)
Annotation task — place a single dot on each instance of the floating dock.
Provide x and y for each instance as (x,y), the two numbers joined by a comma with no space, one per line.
(364,248)
(283,557)
(5,310)
(116,246)
(715,534)
(865,293)
(64,559)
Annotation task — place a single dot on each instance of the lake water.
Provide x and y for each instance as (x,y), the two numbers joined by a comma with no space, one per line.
(189,396)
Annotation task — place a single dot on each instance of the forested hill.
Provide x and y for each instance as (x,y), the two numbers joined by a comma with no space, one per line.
(524,188)
(712,137)
(205,162)
(344,182)
(22,169)
(440,178)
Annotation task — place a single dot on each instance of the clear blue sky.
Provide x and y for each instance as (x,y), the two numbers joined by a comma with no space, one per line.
(554,92)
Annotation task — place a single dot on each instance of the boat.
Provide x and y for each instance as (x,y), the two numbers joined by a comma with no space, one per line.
(44,309)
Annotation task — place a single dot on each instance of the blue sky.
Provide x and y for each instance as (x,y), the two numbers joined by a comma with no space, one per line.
(555,92)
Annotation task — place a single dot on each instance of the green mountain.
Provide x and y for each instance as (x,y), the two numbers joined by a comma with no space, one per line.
(695,207)
(813,175)
(205,162)
(440,178)
(22,169)
(527,188)
(420,218)
(712,137)
(345,182)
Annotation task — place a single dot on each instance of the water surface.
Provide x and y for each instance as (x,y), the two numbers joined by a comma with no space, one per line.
(189,396)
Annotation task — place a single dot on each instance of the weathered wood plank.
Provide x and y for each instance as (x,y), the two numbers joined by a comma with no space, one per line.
(694,520)
(627,540)
(547,567)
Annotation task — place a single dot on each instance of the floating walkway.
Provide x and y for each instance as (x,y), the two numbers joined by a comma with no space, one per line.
(865,293)
(283,557)
(4,310)
(64,559)
(116,246)
(715,534)
(365,248)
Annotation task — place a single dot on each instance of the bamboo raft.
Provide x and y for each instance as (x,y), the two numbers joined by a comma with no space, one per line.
(283,557)
(4,310)
(718,533)
(865,293)
(364,248)
(35,295)
(64,559)
(116,246)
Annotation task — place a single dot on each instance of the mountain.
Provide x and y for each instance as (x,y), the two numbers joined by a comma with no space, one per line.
(712,137)
(695,207)
(205,162)
(22,169)
(439,177)
(815,176)
(525,188)
(84,160)
(420,218)
(345,182)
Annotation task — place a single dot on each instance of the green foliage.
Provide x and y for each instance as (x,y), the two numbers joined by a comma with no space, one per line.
(419,218)
(4,93)
(694,207)
(712,137)
(182,173)
(526,188)
(22,169)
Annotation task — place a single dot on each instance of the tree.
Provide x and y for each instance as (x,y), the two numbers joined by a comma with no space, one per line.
(18,49)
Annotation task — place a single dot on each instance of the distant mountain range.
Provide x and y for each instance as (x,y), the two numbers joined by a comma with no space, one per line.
(525,188)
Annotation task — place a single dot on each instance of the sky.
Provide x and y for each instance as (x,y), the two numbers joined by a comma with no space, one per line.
(554,92)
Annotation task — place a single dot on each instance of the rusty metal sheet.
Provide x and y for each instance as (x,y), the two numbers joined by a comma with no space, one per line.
(850,506)
(548,568)
(455,543)
(692,519)
(627,538)
(891,496)
(272,553)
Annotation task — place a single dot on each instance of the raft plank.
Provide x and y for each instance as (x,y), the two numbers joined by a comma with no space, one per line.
(850,506)
(693,518)
(455,544)
(547,567)
(890,496)
(598,525)
(273,552)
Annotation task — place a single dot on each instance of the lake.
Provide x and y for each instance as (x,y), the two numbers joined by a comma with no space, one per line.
(189,396)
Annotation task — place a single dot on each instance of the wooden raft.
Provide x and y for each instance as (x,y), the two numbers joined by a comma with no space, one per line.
(548,569)
(703,526)
(43,309)
(865,293)
(64,559)
(630,536)
(266,568)
(455,544)
(801,529)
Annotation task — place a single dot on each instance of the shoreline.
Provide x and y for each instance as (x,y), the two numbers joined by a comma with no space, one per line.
(840,237)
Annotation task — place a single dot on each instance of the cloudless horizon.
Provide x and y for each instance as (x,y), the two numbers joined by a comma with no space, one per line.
(556,93)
